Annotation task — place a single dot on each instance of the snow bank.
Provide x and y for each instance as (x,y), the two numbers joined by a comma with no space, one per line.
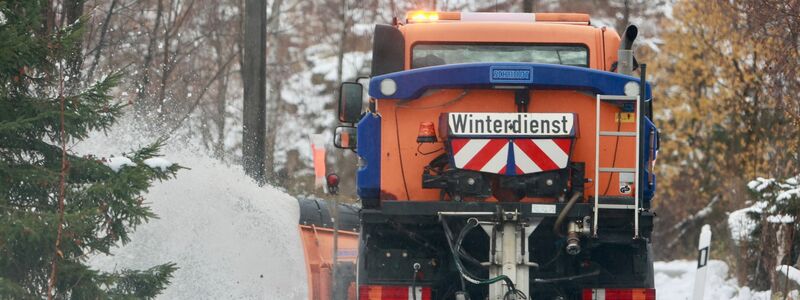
(230,238)
(675,281)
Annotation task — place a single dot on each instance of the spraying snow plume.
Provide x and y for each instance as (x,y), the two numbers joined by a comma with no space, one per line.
(230,238)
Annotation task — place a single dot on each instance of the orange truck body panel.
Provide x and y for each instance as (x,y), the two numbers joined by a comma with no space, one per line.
(402,166)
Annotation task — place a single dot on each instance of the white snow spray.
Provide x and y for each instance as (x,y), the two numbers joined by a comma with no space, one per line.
(230,238)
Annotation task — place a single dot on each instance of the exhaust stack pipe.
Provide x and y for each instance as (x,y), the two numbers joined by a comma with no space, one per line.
(628,37)
(625,52)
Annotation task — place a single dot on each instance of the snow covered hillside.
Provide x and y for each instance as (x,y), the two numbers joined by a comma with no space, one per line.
(230,238)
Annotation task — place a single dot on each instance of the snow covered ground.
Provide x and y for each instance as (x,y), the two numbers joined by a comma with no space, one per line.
(230,238)
(675,281)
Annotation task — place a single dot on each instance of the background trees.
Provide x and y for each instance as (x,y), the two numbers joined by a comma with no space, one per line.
(724,79)
(725,73)
(58,207)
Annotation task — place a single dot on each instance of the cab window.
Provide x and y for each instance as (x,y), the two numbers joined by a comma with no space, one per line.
(426,55)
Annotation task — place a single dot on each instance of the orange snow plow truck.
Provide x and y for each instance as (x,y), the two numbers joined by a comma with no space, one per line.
(502,156)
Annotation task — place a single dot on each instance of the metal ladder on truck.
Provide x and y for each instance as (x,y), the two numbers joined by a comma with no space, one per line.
(598,203)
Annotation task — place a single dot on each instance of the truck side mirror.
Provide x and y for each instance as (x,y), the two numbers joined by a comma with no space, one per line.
(351,97)
(345,137)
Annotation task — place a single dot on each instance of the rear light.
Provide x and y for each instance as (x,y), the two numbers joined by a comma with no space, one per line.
(333,183)
(392,292)
(619,294)
(427,133)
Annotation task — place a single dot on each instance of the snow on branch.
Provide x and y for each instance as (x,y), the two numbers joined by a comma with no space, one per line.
(116,163)
(776,202)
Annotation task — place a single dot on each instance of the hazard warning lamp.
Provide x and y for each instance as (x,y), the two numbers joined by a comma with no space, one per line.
(427,133)
(423,16)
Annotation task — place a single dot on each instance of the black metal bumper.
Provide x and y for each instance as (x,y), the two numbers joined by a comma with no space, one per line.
(422,209)
(617,225)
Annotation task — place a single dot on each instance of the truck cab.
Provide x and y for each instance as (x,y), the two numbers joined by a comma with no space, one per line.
(502,156)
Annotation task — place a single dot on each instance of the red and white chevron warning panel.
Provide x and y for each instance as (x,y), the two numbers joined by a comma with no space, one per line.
(510,156)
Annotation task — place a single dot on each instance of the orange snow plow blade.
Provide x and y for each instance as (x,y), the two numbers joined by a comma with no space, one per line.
(316,233)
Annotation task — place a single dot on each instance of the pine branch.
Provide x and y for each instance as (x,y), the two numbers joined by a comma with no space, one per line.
(10,289)
(140,284)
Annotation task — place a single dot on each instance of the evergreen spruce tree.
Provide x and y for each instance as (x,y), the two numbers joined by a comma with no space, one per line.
(58,208)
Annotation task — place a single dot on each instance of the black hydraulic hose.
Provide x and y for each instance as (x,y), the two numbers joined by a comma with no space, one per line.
(564,212)
(460,239)
(449,236)
(512,290)
(416,267)
(469,258)
(471,223)
(465,274)
(568,278)
(414,286)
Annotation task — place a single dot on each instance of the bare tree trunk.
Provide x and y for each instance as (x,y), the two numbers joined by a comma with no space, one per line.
(219,118)
(101,41)
(49,13)
(166,67)
(148,59)
(626,15)
(73,11)
(342,41)
(275,100)
(276,111)
(254,82)
(53,279)
(170,58)
(527,6)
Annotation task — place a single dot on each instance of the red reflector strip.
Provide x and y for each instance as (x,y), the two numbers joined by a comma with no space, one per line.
(392,292)
(619,294)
